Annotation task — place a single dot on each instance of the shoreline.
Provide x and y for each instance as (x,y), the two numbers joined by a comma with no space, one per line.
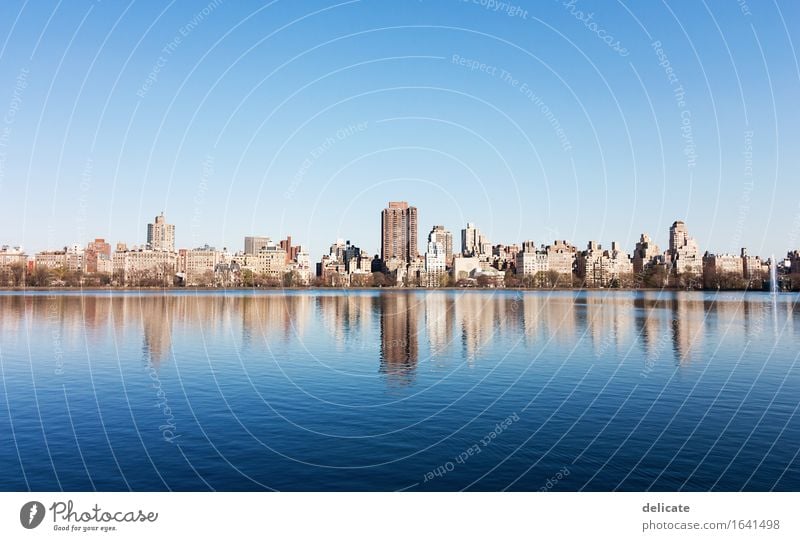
(61,289)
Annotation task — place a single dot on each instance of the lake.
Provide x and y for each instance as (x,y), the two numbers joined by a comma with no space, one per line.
(399,390)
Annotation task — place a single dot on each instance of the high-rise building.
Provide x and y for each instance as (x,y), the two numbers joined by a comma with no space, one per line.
(754,270)
(291,251)
(474,243)
(529,260)
(399,232)
(351,256)
(561,257)
(161,235)
(271,261)
(253,245)
(435,264)
(683,255)
(445,238)
(603,268)
(504,257)
(645,255)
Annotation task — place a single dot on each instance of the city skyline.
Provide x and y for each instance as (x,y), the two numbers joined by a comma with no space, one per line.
(264,262)
(158,232)
(160,236)
(531,125)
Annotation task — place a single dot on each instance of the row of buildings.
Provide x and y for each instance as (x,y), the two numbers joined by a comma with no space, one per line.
(479,262)
(262,262)
(560,263)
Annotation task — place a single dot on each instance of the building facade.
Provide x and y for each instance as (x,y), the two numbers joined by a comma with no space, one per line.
(683,256)
(723,271)
(145,267)
(399,232)
(252,245)
(474,243)
(161,235)
(445,238)
(645,255)
(97,250)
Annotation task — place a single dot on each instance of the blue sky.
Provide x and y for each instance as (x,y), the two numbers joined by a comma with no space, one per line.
(305,118)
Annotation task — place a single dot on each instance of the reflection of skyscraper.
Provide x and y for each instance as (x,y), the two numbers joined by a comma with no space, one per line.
(532,307)
(608,324)
(688,319)
(439,318)
(399,231)
(477,316)
(399,347)
(676,321)
(156,314)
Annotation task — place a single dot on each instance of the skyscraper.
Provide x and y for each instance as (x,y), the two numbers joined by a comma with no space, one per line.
(161,235)
(474,243)
(445,238)
(678,235)
(683,254)
(399,231)
(646,254)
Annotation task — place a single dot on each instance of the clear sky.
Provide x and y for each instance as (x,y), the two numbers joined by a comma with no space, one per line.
(575,120)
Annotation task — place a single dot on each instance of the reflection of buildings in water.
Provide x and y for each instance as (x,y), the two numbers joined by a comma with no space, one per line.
(346,317)
(298,311)
(399,346)
(791,307)
(117,310)
(476,315)
(532,317)
(331,309)
(10,317)
(724,312)
(688,319)
(671,319)
(597,328)
(156,314)
(439,321)
(97,313)
(253,327)
(509,314)
(764,311)
(654,333)
(360,318)
(753,314)
(70,321)
(609,325)
(623,326)
(272,317)
(560,316)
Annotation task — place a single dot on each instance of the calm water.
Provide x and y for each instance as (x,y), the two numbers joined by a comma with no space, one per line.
(322,390)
